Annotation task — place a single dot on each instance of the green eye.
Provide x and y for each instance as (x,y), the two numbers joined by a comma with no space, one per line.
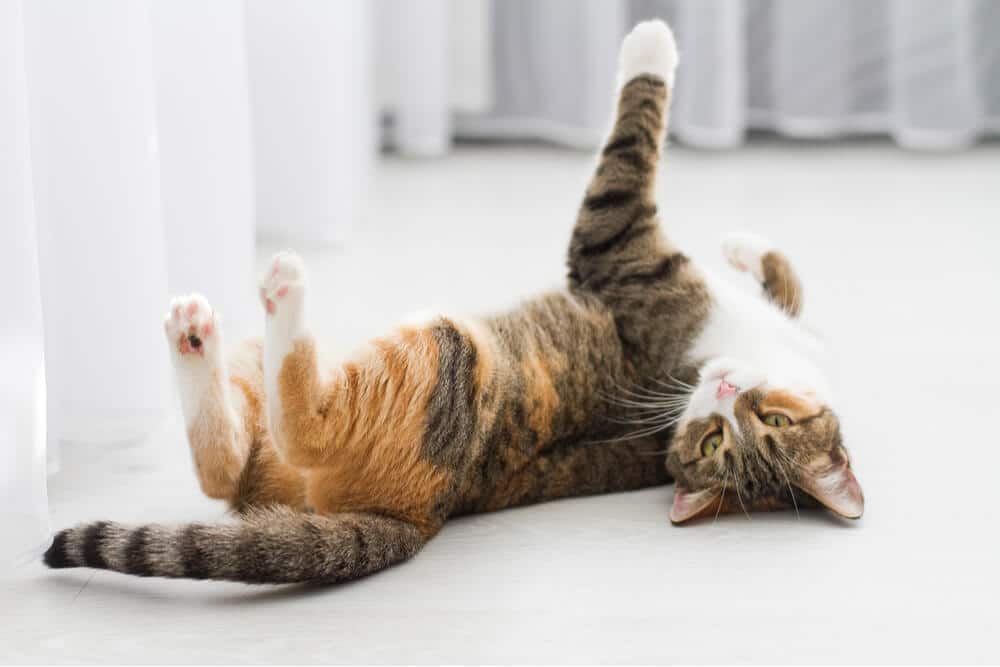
(777,419)
(711,443)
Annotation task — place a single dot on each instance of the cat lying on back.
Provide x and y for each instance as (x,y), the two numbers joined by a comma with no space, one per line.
(337,471)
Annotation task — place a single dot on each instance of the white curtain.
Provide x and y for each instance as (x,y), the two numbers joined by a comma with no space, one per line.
(433,58)
(23,505)
(313,115)
(924,72)
(132,133)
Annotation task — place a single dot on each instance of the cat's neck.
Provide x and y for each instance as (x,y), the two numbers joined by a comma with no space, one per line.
(746,326)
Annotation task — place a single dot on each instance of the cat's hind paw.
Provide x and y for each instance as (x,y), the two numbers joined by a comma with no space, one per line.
(649,49)
(283,285)
(191,327)
(745,252)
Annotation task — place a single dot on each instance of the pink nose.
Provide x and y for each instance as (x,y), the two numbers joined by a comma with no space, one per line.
(725,389)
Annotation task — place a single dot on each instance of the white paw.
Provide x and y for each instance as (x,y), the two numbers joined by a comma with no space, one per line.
(649,49)
(283,285)
(745,252)
(191,327)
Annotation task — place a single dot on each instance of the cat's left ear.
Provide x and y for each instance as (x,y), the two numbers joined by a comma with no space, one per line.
(837,489)
(689,504)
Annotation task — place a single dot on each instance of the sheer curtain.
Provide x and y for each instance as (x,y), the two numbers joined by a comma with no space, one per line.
(926,73)
(143,143)
(22,398)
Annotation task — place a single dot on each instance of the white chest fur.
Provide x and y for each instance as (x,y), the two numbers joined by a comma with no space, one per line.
(756,333)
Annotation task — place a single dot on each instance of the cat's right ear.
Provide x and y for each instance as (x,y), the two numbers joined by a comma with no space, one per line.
(837,489)
(689,504)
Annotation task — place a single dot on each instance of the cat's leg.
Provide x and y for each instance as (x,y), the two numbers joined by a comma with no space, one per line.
(301,407)
(617,230)
(221,401)
(282,293)
(618,252)
(313,412)
(757,256)
(216,432)
(585,468)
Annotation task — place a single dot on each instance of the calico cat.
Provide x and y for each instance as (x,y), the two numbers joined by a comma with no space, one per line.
(641,370)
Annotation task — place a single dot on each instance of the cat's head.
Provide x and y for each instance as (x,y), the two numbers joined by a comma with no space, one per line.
(749,440)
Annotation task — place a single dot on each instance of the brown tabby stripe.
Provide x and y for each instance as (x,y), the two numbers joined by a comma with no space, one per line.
(629,230)
(92,545)
(135,554)
(451,415)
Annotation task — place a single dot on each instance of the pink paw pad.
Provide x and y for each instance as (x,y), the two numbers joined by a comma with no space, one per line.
(282,279)
(189,324)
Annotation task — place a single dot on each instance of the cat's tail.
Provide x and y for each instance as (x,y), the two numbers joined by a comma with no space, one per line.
(276,545)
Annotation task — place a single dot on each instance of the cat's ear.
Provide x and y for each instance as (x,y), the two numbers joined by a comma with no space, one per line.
(689,504)
(837,489)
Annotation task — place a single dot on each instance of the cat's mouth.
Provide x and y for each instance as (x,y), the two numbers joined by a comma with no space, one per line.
(725,389)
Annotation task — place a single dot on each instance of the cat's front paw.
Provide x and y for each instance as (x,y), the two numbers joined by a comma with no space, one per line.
(283,285)
(649,49)
(745,252)
(191,327)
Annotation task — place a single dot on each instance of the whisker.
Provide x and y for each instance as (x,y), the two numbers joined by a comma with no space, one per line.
(640,391)
(739,496)
(641,433)
(784,473)
(791,492)
(645,420)
(681,382)
(722,499)
(678,383)
(640,403)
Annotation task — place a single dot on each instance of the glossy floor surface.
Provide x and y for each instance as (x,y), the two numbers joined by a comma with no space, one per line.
(899,255)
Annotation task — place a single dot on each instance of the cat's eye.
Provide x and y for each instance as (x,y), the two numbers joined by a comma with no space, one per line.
(711,443)
(776,419)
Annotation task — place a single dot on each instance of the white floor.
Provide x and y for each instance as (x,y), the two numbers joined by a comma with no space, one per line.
(899,253)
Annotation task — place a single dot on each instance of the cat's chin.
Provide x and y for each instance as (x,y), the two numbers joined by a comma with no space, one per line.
(720,382)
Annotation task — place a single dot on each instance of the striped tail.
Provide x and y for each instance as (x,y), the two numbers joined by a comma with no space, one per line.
(275,546)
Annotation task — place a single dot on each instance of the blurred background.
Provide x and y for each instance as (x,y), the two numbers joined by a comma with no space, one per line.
(431,154)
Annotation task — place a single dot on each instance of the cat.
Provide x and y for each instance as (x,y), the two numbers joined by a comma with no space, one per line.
(642,370)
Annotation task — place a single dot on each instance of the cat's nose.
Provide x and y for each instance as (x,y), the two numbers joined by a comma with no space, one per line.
(725,389)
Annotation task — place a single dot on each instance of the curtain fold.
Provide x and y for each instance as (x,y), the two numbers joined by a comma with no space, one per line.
(134,131)
(313,113)
(206,161)
(924,72)
(23,500)
(432,57)
(96,192)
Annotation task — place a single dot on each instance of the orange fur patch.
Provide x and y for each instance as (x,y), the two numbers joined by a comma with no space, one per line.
(218,451)
(361,436)
(793,405)
(541,398)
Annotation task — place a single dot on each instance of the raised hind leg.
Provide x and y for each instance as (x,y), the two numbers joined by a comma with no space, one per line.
(357,426)
(221,403)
